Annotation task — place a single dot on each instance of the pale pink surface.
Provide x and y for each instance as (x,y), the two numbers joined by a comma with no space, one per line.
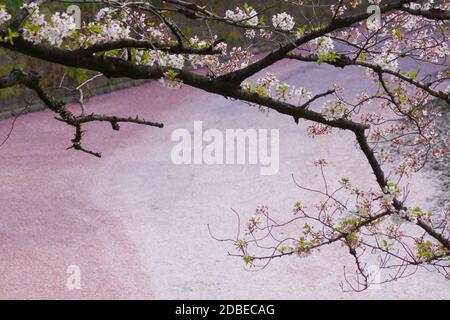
(136,224)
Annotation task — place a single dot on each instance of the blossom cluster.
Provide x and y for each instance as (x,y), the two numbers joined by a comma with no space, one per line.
(318,129)
(55,31)
(247,16)
(283,21)
(4,15)
(270,86)
(322,45)
(387,61)
(105,28)
(334,110)
(152,57)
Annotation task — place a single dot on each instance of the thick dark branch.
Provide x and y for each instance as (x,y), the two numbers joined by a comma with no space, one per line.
(432,232)
(230,90)
(368,152)
(110,67)
(433,14)
(143,44)
(32,81)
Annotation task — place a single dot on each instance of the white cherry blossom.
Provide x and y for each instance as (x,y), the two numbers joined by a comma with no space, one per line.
(283,21)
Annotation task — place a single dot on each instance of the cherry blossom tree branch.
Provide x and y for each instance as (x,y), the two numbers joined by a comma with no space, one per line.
(33,82)
(343,61)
